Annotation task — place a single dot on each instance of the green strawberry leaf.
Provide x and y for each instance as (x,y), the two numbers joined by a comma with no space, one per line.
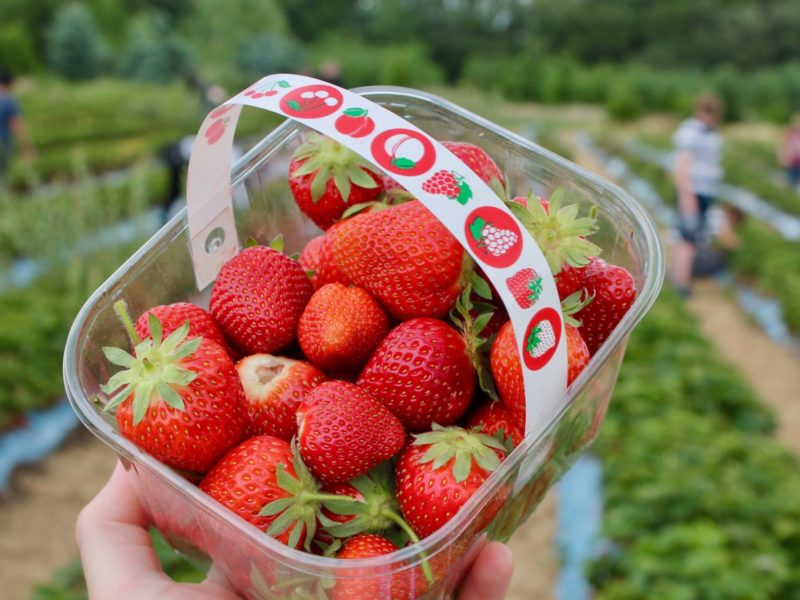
(276,243)
(481,286)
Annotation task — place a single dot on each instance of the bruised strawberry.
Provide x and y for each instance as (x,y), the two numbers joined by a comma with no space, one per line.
(274,386)
(506,368)
(495,419)
(403,256)
(343,432)
(614,291)
(440,471)
(326,178)
(421,372)
(480,162)
(258,298)
(172,316)
(316,259)
(340,328)
(178,399)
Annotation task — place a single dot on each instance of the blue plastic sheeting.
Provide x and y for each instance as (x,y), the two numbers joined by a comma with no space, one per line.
(580,514)
(43,433)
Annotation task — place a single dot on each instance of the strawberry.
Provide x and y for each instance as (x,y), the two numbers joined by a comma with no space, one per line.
(361,584)
(495,419)
(422,372)
(560,233)
(172,316)
(178,399)
(614,291)
(439,471)
(274,386)
(316,259)
(343,432)
(507,371)
(340,328)
(481,163)
(258,298)
(264,481)
(326,177)
(404,257)
(569,280)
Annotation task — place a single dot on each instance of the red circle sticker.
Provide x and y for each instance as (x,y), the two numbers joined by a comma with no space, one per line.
(541,338)
(403,151)
(494,236)
(312,101)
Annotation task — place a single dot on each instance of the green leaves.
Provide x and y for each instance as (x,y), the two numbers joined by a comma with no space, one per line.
(463,447)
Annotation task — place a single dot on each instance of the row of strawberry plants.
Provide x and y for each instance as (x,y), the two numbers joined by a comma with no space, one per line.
(700,502)
(763,260)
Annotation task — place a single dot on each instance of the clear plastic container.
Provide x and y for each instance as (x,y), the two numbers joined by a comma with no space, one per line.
(161,272)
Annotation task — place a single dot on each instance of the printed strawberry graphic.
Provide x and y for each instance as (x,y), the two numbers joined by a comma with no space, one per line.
(403,256)
(274,386)
(492,239)
(178,399)
(258,298)
(541,339)
(355,122)
(443,379)
(450,184)
(326,178)
(343,432)
(525,286)
(440,470)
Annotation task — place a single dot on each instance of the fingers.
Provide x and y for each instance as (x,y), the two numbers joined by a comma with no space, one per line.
(114,543)
(490,575)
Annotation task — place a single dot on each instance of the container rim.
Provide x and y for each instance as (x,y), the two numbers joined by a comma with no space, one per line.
(410,556)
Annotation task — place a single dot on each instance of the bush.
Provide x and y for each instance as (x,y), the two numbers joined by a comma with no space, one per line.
(74,48)
(624,101)
(17,52)
(155,54)
(267,53)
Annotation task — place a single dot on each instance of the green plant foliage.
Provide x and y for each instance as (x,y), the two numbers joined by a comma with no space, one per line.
(266,53)
(17,53)
(74,48)
(155,53)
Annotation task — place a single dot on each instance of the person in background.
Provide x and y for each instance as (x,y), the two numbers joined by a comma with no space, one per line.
(12,126)
(119,560)
(697,172)
(789,153)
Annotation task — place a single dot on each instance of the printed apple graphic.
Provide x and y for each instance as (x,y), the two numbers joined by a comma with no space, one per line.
(354,122)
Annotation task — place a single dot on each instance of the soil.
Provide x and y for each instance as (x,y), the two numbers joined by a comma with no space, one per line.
(535,556)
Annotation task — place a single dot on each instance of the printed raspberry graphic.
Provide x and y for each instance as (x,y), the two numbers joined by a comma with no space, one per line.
(449,183)
(494,240)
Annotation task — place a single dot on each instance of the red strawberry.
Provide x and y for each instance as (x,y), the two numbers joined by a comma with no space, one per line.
(569,280)
(264,481)
(614,291)
(440,471)
(560,233)
(526,286)
(361,584)
(404,257)
(421,372)
(344,432)
(172,316)
(340,328)
(496,419)
(317,260)
(258,298)
(274,386)
(178,399)
(480,162)
(507,370)
(326,177)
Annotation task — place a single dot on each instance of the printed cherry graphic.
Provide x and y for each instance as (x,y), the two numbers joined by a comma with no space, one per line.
(494,236)
(221,110)
(215,131)
(525,286)
(354,122)
(449,183)
(541,338)
(268,88)
(312,101)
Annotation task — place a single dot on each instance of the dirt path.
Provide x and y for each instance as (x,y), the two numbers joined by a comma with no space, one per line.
(771,370)
(536,560)
(38,512)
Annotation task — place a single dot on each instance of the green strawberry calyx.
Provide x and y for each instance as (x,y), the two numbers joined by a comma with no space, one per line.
(155,371)
(327,159)
(573,304)
(558,229)
(461,446)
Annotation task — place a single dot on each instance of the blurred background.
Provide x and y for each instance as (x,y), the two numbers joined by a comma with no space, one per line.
(699,485)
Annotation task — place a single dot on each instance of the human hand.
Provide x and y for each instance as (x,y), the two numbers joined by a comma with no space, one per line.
(119,560)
